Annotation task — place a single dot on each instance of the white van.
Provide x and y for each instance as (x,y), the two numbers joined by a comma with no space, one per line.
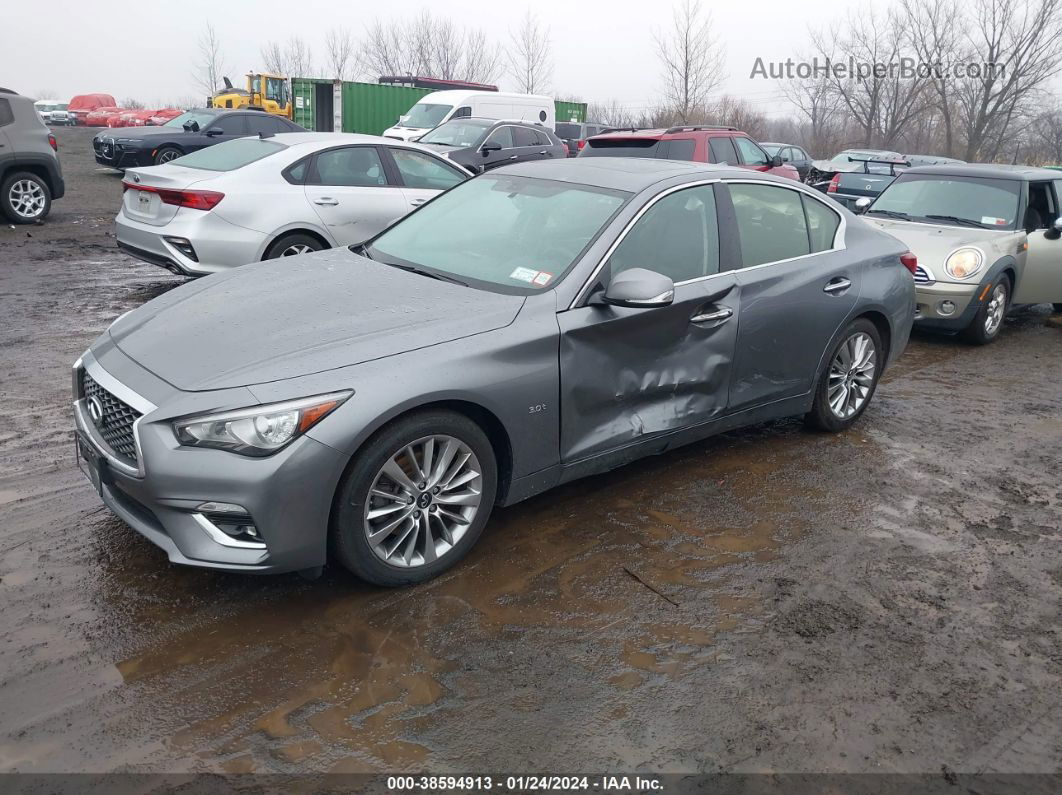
(439,106)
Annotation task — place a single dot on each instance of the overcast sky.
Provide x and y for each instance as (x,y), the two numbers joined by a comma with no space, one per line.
(602,49)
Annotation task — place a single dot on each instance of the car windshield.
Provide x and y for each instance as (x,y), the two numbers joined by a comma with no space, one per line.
(457,133)
(568,130)
(230,155)
(771,149)
(501,231)
(202,119)
(622,147)
(992,203)
(424,116)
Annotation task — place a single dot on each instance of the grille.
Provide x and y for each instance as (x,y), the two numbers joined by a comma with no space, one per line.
(921,276)
(116,423)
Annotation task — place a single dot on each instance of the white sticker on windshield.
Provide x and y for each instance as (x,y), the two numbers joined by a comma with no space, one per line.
(524,274)
(987,219)
(542,279)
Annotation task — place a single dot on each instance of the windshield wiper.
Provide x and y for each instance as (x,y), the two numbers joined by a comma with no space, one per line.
(956,220)
(890,213)
(423,272)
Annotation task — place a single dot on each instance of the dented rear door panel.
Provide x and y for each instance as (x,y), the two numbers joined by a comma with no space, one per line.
(630,374)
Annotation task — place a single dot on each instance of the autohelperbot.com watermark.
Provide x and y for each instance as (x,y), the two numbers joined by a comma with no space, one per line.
(903,68)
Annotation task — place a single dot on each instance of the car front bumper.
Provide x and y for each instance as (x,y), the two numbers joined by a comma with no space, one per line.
(218,245)
(932,308)
(166,496)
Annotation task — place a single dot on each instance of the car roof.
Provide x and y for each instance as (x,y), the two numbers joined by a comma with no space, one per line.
(314,140)
(660,133)
(776,143)
(988,170)
(630,174)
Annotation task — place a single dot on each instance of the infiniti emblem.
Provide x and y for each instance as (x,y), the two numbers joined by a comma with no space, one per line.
(95,409)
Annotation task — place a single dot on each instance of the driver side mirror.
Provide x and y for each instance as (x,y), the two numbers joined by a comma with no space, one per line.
(191,126)
(776,161)
(639,288)
(213,132)
(491,146)
(1055,232)
(862,205)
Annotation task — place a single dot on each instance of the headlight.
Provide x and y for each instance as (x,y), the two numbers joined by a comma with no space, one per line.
(964,263)
(258,431)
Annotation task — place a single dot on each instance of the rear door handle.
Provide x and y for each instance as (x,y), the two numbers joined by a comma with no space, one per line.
(837,286)
(326,201)
(418,202)
(716,316)
(542,152)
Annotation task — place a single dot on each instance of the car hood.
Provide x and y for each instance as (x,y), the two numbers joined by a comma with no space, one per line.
(137,133)
(932,243)
(297,316)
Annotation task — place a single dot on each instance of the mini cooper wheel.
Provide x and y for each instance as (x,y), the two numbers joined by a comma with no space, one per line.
(293,245)
(849,379)
(26,198)
(415,499)
(988,321)
(166,154)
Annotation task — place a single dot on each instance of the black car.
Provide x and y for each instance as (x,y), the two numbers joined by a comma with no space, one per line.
(792,154)
(127,147)
(575,133)
(482,144)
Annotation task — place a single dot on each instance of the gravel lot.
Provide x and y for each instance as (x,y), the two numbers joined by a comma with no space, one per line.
(885,600)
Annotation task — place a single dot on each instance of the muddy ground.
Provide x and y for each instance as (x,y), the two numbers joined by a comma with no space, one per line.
(771,600)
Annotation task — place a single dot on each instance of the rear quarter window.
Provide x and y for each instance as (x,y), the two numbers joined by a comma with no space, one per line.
(681,149)
(230,155)
(6,116)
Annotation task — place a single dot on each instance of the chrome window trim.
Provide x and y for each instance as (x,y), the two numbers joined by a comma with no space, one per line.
(839,241)
(88,363)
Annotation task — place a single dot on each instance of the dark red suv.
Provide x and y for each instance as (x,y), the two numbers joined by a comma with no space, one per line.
(700,144)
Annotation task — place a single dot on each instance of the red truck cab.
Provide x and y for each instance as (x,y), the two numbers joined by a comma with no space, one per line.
(701,144)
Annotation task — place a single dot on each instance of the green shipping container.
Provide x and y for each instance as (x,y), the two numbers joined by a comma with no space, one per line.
(371,108)
(314,104)
(570,111)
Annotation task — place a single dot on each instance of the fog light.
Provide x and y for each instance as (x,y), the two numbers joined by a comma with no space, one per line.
(184,245)
(221,507)
(946,308)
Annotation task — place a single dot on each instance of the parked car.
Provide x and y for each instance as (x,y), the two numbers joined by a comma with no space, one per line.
(575,133)
(258,198)
(30,174)
(533,325)
(872,170)
(100,116)
(792,154)
(82,104)
(186,133)
(164,115)
(725,145)
(52,111)
(986,237)
(483,144)
(437,107)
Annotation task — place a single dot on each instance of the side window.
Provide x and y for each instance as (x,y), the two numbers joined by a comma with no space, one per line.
(722,151)
(822,224)
(351,166)
(751,155)
(231,125)
(462,112)
(522,136)
(1058,199)
(678,237)
(6,114)
(264,124)
(800,154)
(681,149)
(771,223)
(419,170)
(1042,208)
(787,154)
(296,174)
(503,136)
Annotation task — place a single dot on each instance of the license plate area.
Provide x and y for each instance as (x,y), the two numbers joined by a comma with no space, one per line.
(91,464)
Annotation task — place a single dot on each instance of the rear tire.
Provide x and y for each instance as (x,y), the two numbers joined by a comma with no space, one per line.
(25,198)
(849,378)
(293,245)
(988,321)
(166,154)
(421,515)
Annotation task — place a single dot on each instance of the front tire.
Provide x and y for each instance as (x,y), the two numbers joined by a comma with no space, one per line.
(849,379)
(988,321)
(25,197)
(166,154)
(293,245)
(415,499)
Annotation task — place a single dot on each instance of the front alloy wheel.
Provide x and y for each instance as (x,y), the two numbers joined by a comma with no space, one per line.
(988,321)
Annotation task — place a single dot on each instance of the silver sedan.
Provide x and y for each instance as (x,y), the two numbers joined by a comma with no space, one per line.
(258,198)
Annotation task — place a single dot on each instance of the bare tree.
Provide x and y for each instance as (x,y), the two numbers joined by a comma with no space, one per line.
(426,46)
(132,104)
(736,112)
(288,60)
(339,47)
(531,56)
(44,93)
(212,65)
(819,111)
(483,59)
(692,58)
(611,113)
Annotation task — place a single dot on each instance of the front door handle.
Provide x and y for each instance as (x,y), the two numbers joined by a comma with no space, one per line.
(717,316)
(326,201)
(418,202)
(542,152)
(837,286)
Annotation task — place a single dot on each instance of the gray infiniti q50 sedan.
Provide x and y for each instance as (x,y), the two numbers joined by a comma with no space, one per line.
(536,324)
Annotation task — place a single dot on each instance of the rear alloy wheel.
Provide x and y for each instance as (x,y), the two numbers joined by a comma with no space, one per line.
(26,198)
(988,321)
(415,500)
(848,382)
(293,245)
(166,154)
